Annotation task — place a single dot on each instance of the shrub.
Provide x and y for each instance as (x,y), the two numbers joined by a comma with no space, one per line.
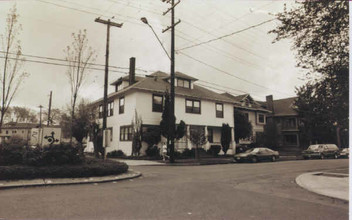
(11,154)
(52,155)
(177,154)
(187,153)
(201,151)
(116,154)
(153,151)
(32,156)
(214,150)
(88,169)
(15,141)
(60,155)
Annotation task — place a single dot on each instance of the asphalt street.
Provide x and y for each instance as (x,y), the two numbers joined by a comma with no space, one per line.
(231,191)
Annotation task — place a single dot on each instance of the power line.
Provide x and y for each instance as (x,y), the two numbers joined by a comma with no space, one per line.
(227,35)
(227,73)
(59,64)
(85,11)
(63,60)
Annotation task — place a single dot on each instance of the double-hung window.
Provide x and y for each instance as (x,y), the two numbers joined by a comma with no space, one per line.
(193,106)
(121,105)
(261,118)
(126,133)
(157,103)
(183,83)
(219,107)
(111,108)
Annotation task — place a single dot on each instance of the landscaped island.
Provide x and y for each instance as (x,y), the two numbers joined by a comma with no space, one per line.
(58,161)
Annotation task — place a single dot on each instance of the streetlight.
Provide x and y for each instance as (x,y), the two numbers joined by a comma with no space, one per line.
(172,79)
(145,21)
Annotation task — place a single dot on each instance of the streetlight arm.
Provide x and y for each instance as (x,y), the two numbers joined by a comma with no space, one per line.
(159,41)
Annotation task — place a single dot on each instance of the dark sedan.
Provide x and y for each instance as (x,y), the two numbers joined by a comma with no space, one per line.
(257,154)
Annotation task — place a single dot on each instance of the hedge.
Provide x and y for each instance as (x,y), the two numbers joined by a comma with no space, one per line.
(92,167)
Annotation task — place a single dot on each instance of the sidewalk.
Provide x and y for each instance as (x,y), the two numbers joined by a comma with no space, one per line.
(67,181)
(331,184)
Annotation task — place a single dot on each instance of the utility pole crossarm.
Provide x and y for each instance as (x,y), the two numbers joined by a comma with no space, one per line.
(111,23)
(168,27)
(164,13)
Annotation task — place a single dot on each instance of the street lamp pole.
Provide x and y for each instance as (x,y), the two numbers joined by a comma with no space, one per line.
(172,118)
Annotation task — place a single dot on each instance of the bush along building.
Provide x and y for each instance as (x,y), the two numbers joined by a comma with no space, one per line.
(142,100)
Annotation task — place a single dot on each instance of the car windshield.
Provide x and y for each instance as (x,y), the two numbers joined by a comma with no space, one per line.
(254,150)
(313,147)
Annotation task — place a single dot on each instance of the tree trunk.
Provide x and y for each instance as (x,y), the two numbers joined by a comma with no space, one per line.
(196,152)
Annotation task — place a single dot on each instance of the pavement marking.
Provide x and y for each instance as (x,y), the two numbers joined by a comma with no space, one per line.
(189,213)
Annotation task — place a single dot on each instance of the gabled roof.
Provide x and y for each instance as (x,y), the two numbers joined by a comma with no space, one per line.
(157,83)
(284,107)
(242,98)
(125,78)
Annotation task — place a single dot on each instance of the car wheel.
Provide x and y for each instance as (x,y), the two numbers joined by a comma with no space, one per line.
(254,159)
(273,159)
(306,158)
(322,156)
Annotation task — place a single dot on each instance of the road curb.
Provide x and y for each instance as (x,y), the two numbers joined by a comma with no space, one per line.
(68,181)
(325,185)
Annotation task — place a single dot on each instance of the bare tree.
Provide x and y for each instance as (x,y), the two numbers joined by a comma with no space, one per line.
(79,57)
(55,116)
(198,138)
(12,77)
(23,114)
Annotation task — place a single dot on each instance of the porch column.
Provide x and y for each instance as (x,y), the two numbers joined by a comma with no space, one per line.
(188,142)
(207,145)
(233,142)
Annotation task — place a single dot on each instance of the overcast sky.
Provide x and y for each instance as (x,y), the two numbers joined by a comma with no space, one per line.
(246,62)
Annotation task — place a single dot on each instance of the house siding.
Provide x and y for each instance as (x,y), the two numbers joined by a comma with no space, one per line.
(142,102)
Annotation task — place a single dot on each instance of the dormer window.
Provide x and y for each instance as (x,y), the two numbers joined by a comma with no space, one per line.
(183,83)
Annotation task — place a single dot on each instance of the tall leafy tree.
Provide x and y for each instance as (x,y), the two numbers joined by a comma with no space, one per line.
(320,34)
(225,137)
(12,76)
(180,130)
(243,127)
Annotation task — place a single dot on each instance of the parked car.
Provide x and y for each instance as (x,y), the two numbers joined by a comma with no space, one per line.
(257,154)
(345,153)
(321,151)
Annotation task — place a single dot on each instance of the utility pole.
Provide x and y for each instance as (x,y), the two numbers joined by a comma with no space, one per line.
(40,115)
(171,142)
(49,111)
(108,23)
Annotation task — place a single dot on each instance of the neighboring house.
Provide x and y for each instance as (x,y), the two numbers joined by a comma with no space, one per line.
(286,120)
(22,130)
(254,111)
(197,106)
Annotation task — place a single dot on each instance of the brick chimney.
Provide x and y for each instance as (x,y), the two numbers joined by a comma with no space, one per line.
(270,103)
(132,75)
